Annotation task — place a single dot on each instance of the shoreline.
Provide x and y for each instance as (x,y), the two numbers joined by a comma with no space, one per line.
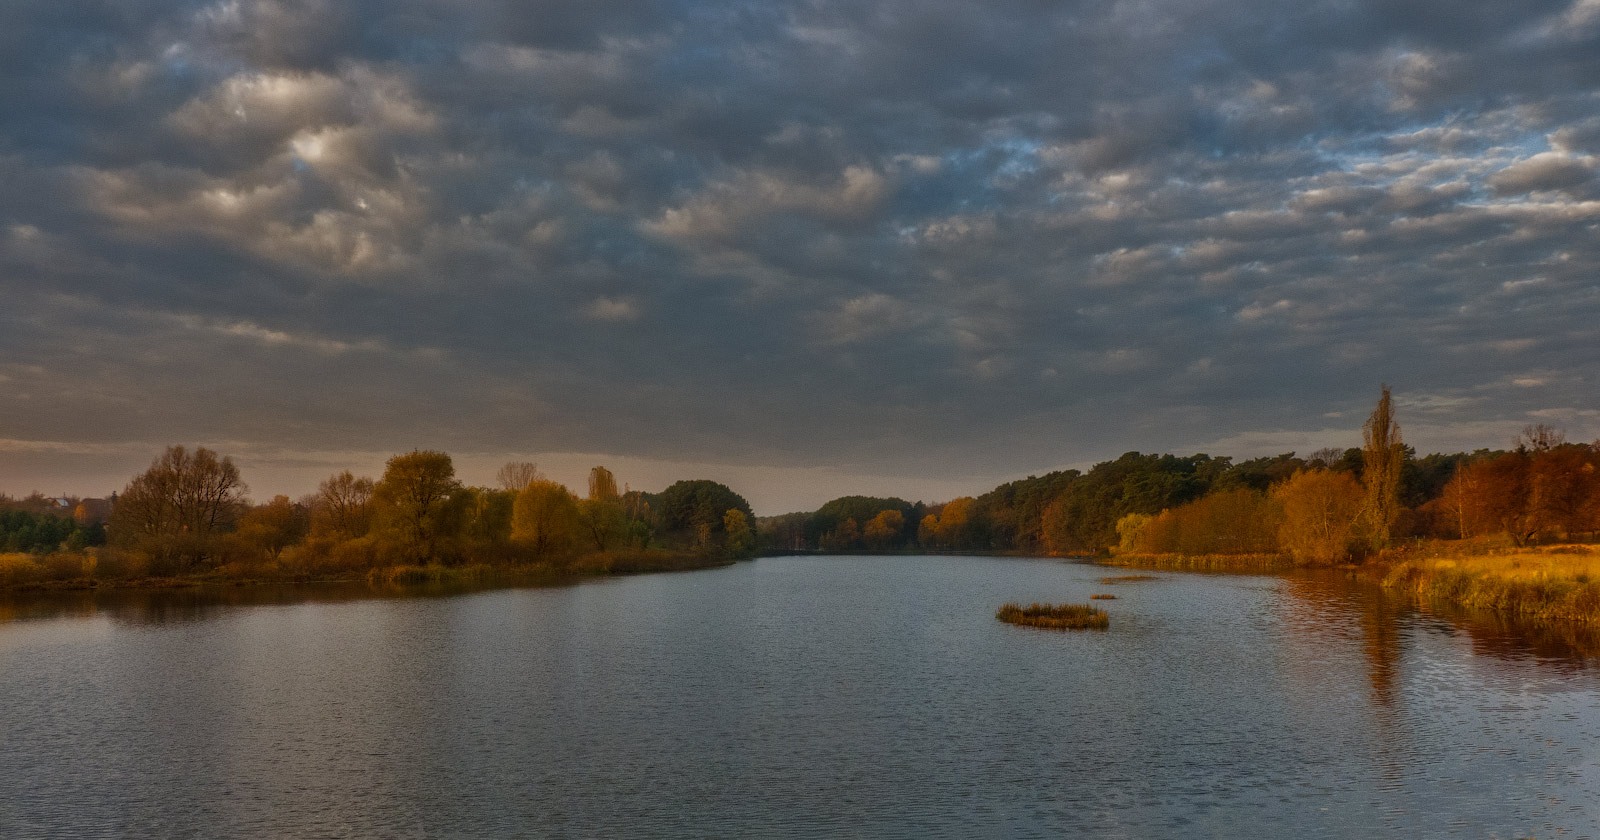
(494,575)
(1550,584)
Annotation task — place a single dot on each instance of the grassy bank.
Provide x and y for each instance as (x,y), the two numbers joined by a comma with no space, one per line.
(1547,583)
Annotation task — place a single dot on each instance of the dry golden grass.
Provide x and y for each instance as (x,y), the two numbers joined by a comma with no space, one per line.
(1548,582)
(1102,596)
(1577,563)
(1055,616)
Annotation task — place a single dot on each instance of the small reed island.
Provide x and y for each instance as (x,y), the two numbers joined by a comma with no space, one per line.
(1116,579)
(1055,616)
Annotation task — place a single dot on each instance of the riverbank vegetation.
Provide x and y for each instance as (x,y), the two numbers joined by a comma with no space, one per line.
(1055,616)
(1555,582)
(1377,504)
(187,519)
(1328,508)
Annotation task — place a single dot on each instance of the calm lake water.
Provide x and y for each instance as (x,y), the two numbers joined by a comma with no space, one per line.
(838,696)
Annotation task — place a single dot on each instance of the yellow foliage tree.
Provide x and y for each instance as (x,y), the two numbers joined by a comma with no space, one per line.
(273,527)
(545,519)
(1319,510)
(884,529)
(417,504)
(603,486)
(1129,530)
(741,540)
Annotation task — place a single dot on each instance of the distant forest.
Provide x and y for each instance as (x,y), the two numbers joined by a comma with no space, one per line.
(1330,506)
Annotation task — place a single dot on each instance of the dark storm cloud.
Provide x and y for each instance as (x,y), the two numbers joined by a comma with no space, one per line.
(927,238)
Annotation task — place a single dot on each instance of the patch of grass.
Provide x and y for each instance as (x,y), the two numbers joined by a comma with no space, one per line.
(1055,616)
(1116,579)
(1102,596)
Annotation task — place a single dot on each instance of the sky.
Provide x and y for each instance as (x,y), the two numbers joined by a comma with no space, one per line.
(804,248)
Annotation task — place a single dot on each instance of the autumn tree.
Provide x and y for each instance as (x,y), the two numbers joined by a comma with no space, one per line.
(174,510)
(488,518)
(1237,521)
(1130,529)
(603,485)
(602,522)
(516,475)
(1493,496)
(1563,484)
(601,515)
(1534,491)
(1382,455)
(1319,510)
(1459,499)
(274,526)
(639,518)
(740,539)
(883,531)
(951,527)
(341,509)
(417,504)
(843,538)
(545,519)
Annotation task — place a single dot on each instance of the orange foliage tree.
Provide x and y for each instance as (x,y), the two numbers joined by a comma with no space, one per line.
(1237,521)
(545,519)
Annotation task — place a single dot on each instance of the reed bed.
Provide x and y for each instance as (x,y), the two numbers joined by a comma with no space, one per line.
(1102,596)
(1055,616)
(1559,583)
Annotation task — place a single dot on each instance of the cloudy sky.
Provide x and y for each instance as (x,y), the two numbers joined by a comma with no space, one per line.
(808,248)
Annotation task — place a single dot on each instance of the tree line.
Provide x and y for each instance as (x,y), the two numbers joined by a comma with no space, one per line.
(189,514)
(1331,506)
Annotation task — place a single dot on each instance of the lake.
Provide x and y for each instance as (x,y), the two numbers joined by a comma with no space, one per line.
(793,697)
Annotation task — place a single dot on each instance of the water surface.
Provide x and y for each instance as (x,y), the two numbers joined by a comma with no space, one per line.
(793,697)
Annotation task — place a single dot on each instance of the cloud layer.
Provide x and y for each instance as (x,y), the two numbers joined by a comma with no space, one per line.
(929,239)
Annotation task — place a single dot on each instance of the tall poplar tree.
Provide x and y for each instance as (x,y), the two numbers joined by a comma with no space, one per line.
(1382,455)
